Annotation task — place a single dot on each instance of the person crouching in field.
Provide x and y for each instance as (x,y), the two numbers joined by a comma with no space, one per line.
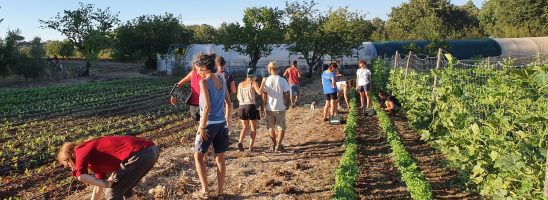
(363,77)
(342,90)
(215,108)
(293,75)
(391,104)
(330,91)
(247,111)
(128,158)
(275,102)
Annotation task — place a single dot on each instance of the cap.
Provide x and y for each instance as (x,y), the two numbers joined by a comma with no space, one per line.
(250,72)
(272,64)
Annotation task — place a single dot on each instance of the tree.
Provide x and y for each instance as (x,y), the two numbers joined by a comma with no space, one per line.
(67,49)
(78,24)
(53,48)
(9,52)
(379,30)
(314,35)
(30,60)
(431,19)
(262,28)
(514,18)
(148,35)
(202,34)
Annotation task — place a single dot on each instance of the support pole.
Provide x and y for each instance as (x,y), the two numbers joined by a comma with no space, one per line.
(546,177)
(406,70)
(396,58)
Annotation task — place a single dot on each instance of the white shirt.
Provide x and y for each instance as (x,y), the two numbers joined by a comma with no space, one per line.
(275,86)
(340,85)
(363,76)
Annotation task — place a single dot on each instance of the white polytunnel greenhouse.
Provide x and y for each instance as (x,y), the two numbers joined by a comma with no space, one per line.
(524,49)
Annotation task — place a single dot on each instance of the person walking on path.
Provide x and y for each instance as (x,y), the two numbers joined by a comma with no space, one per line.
(215,108)
(293,75)
(275,102)
(247,111)
(330,91)
(220,63)
(363,79)
(128,158)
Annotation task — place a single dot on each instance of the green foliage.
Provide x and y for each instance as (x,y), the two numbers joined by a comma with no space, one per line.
(514,18)
(313,34)
(60,48)
(347,172)
(491,124)
(438,19)
(148,35)
(202,34)
(414,179)
(30,60)
(262,28)
(86,22)
(9,52)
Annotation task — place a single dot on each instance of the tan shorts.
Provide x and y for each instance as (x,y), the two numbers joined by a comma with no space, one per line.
(275,119)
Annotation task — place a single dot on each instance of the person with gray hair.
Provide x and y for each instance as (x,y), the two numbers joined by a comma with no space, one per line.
(275,103)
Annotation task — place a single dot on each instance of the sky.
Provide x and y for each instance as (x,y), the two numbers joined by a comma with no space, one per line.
(24,14)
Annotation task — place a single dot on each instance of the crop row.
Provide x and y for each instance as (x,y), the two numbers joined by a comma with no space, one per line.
(347,172)
(414,179)
(489,123)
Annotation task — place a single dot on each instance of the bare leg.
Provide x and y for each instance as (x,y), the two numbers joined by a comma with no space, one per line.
(362,98)
(201,170)
(253,134)
(346,98)
(368,99)
(272,136)
(325,109)
(245,126)
(296,98)
(281,137)
(333,108)
(221,172)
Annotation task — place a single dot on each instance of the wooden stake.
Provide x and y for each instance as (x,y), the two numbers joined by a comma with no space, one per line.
(396,58)
(407,69)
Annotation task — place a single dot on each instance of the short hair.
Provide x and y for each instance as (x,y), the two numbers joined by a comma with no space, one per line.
(66,153)
(220,60)
(362,61)
(383,93)
(207,61)
(294,63)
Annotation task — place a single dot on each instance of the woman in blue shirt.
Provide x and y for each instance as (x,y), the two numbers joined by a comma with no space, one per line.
(330,91)
(215,108)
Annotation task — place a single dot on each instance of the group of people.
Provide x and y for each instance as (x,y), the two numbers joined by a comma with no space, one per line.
(129,158)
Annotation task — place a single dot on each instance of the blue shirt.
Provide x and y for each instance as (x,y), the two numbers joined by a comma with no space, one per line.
(328,78)
(217,103)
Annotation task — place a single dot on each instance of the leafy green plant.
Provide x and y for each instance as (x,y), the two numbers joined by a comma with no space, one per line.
(347,172)
(414,179)
(490,123)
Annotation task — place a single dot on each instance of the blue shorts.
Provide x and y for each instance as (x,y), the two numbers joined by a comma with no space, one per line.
(218,136)
(295,90)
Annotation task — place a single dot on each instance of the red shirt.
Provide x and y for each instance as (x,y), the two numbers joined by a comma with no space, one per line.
(104,155)
(195,88)
(293,76)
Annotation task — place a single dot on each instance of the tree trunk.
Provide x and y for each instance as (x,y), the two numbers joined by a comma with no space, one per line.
(310,66)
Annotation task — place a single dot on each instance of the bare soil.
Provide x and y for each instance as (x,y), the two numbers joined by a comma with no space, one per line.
(379,177)
(305,170)
(444,181)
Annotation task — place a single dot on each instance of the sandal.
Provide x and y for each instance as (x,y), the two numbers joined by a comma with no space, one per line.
(220,197)
(200,195)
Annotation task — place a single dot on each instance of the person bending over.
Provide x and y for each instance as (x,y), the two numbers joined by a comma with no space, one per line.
(127,158)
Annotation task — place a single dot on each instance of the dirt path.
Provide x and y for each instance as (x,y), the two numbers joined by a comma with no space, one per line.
(379,178)
(304,171)
(444,181)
